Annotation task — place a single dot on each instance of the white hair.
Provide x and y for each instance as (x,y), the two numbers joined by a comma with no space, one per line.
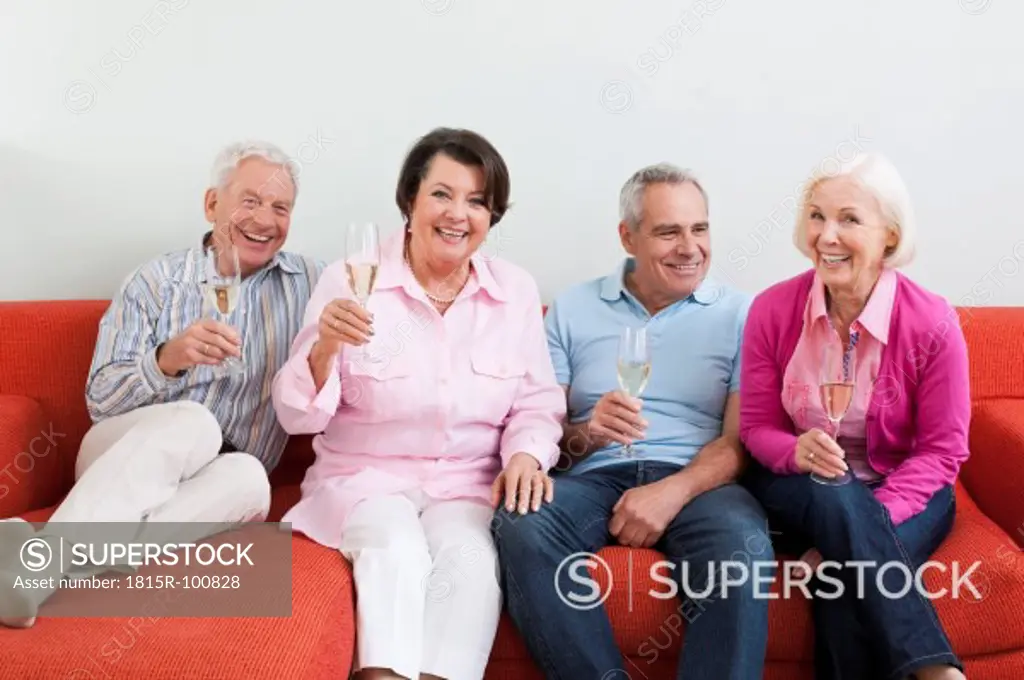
(876,175)
(231,156)
(631,198)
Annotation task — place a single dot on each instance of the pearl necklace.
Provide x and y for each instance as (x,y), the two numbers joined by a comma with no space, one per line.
(434,298)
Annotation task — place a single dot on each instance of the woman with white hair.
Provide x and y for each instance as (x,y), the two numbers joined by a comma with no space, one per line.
(855,408)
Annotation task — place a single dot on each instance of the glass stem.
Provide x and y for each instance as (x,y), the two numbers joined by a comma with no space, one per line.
(835,437)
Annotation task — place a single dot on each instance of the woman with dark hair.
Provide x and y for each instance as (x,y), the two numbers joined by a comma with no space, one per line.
(459,409)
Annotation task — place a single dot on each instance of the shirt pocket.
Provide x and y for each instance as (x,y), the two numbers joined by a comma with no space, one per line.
(378,391)
(495,383)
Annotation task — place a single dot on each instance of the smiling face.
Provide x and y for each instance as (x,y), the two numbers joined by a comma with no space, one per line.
(253,210)
(449,217)
(847,234)
(671,245)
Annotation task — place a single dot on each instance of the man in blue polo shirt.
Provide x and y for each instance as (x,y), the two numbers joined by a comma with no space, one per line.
(677,490)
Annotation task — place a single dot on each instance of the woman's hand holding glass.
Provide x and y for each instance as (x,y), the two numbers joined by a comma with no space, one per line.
(343,322)
(818,453)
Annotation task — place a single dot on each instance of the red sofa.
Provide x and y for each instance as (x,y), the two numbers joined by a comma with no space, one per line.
(45,351)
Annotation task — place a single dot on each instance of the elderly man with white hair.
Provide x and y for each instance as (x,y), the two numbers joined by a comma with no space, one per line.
(177,438)
(855,406)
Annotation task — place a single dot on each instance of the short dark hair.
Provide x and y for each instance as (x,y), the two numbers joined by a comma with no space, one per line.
(462,146)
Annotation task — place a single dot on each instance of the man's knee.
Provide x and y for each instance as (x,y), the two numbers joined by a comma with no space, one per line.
(249,482)
(190,425)
(197,419)
(506,527)
(742,557)
(516,534)
(546,537)
(744,545)
(192,418)
(738,526)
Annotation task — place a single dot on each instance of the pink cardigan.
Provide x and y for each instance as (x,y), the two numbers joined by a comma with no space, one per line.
(918,417)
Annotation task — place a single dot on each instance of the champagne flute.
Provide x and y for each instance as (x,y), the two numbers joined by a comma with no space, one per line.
(362,260)
(222,291)
(634,366)
(836,391)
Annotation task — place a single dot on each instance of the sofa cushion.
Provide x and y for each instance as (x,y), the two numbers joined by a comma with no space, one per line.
(46,348)
(999,578)
(29,462)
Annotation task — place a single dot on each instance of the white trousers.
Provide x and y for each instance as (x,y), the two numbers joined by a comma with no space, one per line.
(162,463)
(427,585)
(156,464)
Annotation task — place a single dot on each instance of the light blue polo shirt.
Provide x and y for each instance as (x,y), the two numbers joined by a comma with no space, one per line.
(695,361)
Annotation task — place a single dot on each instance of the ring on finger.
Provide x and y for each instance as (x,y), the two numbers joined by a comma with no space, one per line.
(206,348)
(810,456)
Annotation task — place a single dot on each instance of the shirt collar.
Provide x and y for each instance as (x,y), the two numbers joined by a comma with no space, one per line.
(614,285)
(395,273)
(198,260)
(877,313)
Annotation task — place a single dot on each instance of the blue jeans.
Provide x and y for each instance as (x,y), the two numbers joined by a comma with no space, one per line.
(726,640)
(863,633)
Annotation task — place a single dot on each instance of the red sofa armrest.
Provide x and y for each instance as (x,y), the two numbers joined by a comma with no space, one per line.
(994,473)
(29,464)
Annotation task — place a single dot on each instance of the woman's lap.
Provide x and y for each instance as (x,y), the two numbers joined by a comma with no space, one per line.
(795,505)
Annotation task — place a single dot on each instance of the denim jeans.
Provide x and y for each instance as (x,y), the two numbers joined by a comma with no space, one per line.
(864,633)
(727,638)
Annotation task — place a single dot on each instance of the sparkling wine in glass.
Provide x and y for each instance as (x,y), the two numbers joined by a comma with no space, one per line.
(836,392)
(362,260)
(634,366)
(222,290)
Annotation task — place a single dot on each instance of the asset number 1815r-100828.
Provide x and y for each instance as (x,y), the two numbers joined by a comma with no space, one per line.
(193,582)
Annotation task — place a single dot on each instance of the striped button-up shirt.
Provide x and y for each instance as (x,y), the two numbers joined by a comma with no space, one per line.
(161,299)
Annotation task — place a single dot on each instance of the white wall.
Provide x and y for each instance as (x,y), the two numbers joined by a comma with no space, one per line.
(111,112)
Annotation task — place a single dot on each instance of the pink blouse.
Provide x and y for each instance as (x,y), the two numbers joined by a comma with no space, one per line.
(450,402)
(869,333)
